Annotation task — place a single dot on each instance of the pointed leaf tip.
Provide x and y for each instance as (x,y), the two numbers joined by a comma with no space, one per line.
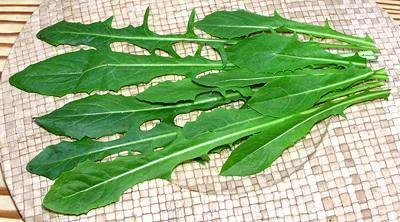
(190,25)
(327,24)
(146,19)
(109,21)
(369,38)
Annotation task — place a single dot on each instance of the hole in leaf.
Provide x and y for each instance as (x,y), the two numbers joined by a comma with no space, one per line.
(207,73)
(135,153)
(124,153)
(128,48)
(210,53)
(160,79)
(161,53)
(158,149)
(109,138)
(136,89)
(146,126)
(132,90)
(170,77)
(184,49)
(181,119)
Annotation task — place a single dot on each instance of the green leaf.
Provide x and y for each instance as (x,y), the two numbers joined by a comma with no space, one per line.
(98,184)
(374,81)
(351,91)
(94,185)
(187,90)
(89,70)
(64,156)
(261,150)
(243,77)
(172,92)
(289,95)
(184,90)
(239,78)
(100,35)
(228,25)
(219,120)
(273,53)
(92,116)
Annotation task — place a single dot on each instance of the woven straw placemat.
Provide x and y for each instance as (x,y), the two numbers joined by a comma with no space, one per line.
(353,175)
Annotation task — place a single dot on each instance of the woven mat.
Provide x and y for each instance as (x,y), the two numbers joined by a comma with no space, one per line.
(352,175)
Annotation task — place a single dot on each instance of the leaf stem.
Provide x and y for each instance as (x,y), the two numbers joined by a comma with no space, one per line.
(343,46)
(379,77)
(380,74)
(356,89)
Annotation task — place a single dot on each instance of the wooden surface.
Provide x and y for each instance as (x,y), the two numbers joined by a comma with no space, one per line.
(14,14)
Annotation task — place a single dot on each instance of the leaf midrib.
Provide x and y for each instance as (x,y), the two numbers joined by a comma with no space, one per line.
(301,123)
(271,77)
(171,39)
(228,96)
(110,148)
(141,65)
(360,77)
(337,61)
(338,35)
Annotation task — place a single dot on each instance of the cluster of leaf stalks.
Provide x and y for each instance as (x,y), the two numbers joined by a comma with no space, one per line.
(288,85)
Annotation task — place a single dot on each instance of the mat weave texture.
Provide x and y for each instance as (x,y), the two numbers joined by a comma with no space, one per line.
(353,175)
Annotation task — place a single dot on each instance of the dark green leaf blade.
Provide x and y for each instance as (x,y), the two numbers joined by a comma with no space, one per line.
(172,92)
(89,70)
(101,34)
(90,182)
(219,120)
(261,150)
(289,95)
(243,77)
(64,156)
(234,24)
(273,53)
(236,78)
(91,185)
(92,116)
(105,182)
(351,91)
